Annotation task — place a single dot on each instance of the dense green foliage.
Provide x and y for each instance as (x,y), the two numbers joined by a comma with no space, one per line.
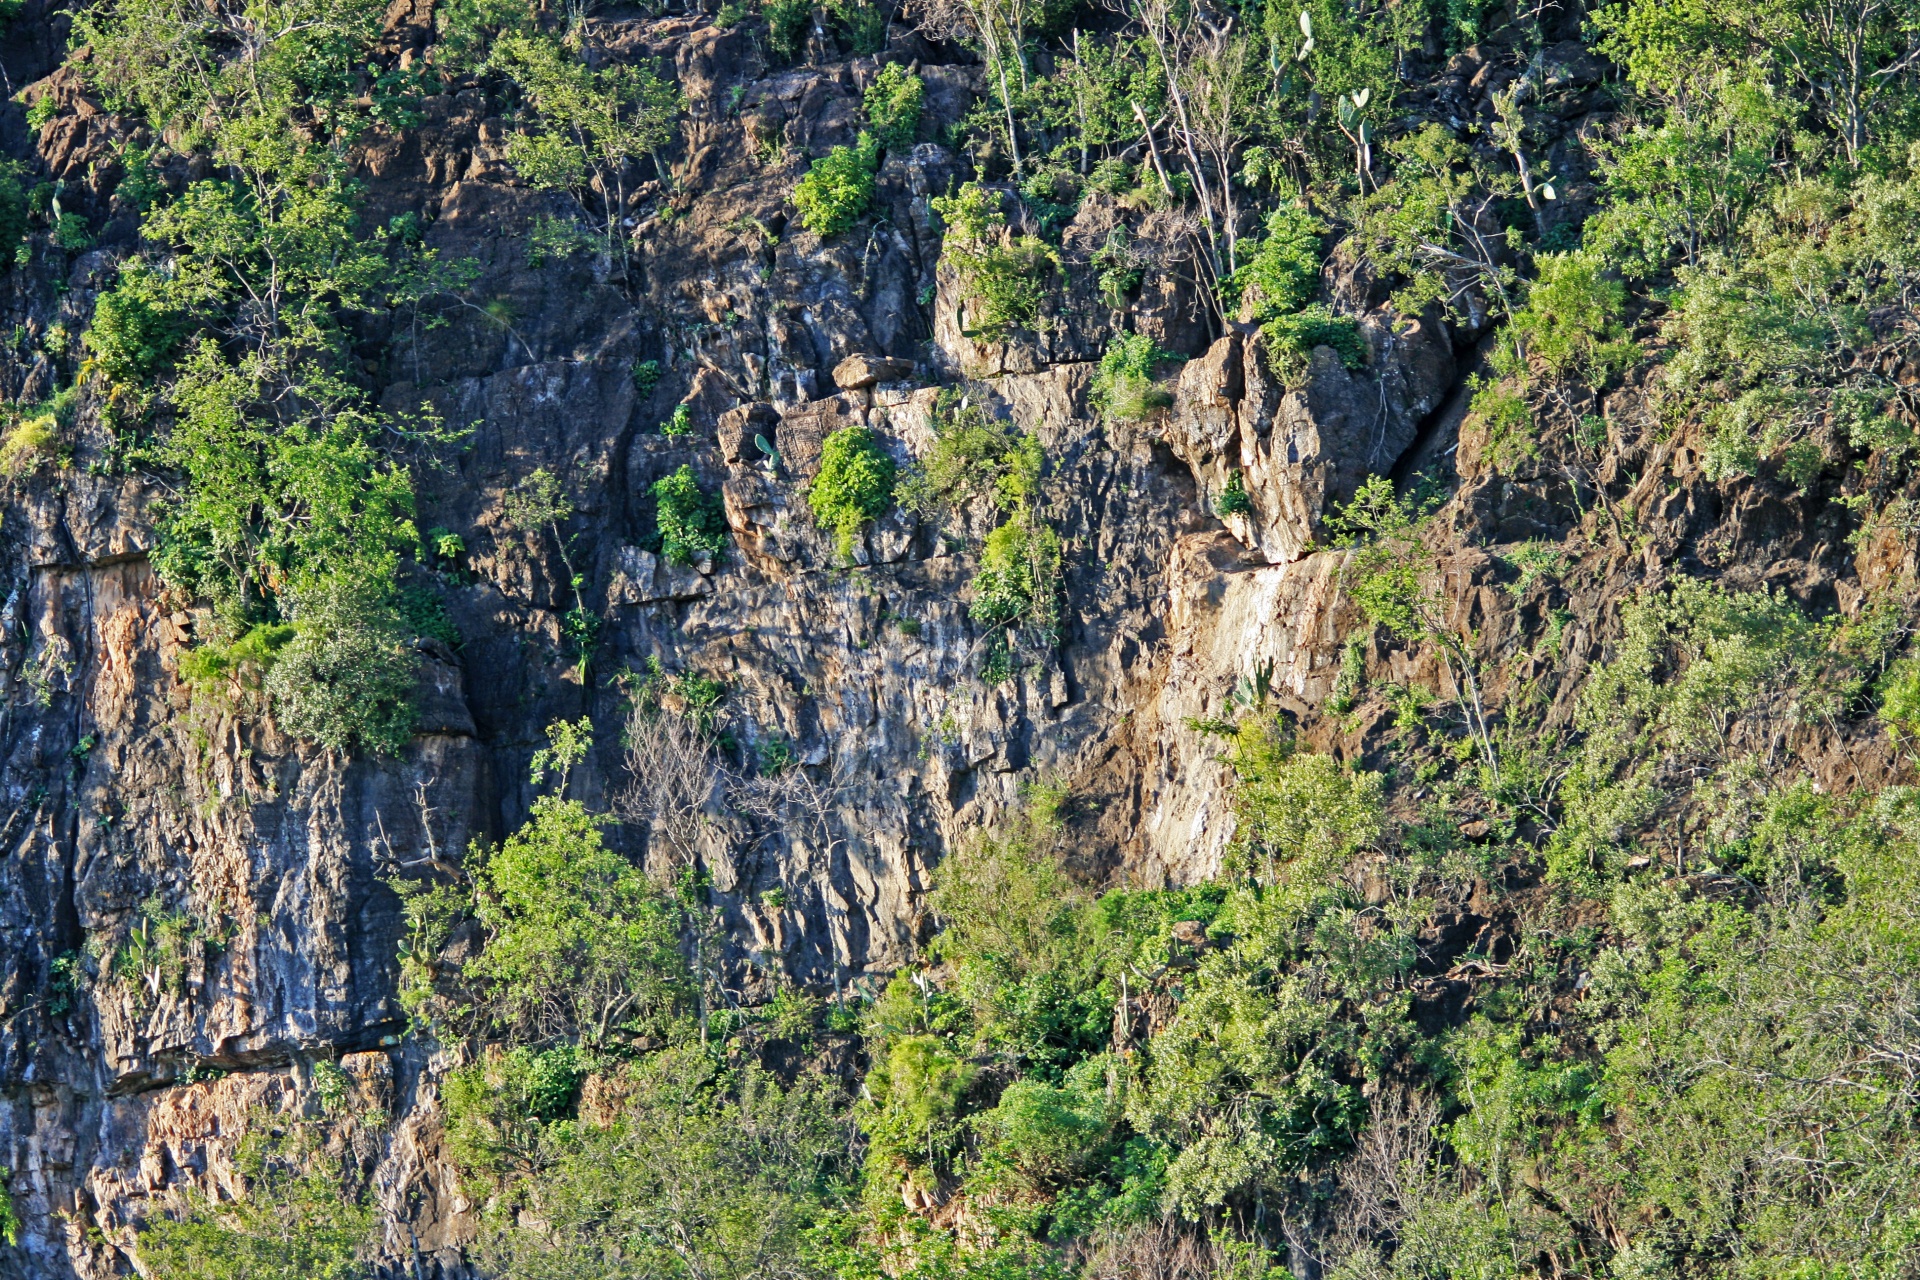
(836,191)
(893,106)
(588,124)
(296,1218)
(1123,385)
(854,484)
(691,523)
(1553,961)
(1004,278)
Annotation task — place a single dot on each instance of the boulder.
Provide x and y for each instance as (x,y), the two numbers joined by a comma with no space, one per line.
(858,372)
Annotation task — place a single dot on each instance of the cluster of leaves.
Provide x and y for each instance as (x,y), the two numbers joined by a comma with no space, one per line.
(1123,385)
(298,1212)
(835,192)
(691,523)
(1004,278)
(854,485)
(1275,287)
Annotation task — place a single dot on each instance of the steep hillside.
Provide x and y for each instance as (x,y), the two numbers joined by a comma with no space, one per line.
(964,640)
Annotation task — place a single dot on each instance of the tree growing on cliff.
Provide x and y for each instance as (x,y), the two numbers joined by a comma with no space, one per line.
(590,125)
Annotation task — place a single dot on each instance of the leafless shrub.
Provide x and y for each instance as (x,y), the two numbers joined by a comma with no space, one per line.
(673,774)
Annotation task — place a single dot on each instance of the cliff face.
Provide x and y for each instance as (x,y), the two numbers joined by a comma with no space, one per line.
(249,873)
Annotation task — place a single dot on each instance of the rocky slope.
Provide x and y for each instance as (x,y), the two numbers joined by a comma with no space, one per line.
(131,812)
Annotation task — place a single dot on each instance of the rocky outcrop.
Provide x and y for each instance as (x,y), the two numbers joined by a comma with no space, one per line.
(237,888)
(1301,450)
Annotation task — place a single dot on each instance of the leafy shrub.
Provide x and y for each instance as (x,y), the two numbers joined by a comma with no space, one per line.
(1004,279)
(591,123)
(1900,702)
(346,678)
(855,484)
(220,669)
(691,524)
(913,1104)
(1291,340)
(1233,499)
(28,443)
(72,233)
(1571,323)
(788,22)
(693,1170)
(139,184)
(1123,386)
(14,213)
(836,191)
(1019,575)
(1282,272)
(862,24)
(646,376)
(296,1214)
(466,30)
(974,456)
(1689,661)
(551,239)
(680,424)
(1049,1133)
(576,943)
(1501,415)
(1119,267)
(893,106)
(136,326)
(42,110)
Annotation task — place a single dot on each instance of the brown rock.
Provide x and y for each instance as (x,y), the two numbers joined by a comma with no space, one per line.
(856,372)
(737,428)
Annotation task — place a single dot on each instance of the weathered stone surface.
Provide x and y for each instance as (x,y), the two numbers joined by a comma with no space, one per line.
(858,372)
(121,796)
(1302,450)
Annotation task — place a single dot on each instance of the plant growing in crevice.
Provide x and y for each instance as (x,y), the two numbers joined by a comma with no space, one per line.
(691,524)
(833,194)
(976,458)
(1390,573)
(854,485)
(540,503)
(1123,385)
(1004,278)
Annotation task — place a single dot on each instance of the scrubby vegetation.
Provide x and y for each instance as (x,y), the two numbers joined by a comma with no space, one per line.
(1542,953)
(1004,278)
(1123,386)
(854,485)
(982,462)
(838,188)
(691,523)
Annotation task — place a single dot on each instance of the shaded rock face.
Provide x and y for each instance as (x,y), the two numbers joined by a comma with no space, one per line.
(234,886)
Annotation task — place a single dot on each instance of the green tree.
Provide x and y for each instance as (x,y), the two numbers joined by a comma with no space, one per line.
(893,102)
(589,125)
(576,941)
(697,1173)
